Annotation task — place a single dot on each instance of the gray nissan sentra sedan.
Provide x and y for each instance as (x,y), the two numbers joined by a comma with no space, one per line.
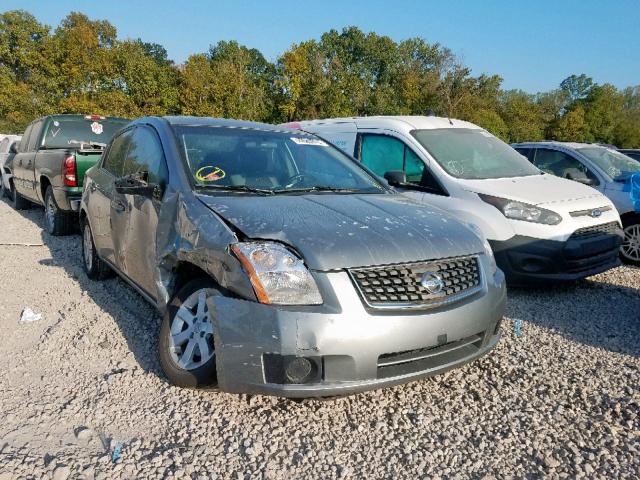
(280,265)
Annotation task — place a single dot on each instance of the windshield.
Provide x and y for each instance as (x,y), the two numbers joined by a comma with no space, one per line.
(65,132)
(473,154)
(614,164)
(273,162)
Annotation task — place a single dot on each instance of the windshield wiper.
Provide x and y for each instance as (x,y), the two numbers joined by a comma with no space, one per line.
(238,188)
(315,188)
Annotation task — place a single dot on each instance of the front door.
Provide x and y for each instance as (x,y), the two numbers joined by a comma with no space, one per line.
(134,218)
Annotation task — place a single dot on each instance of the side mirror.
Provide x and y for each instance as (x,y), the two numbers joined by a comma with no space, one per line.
(13,148)
(395,178)
(135,184)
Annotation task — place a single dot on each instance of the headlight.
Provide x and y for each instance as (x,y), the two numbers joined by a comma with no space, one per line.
(488,251)
(522,211)
(278,276)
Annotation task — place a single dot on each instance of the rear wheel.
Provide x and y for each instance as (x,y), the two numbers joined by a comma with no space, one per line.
(186,345)
(17,200)
(94,266)
(630,250)
(57,221)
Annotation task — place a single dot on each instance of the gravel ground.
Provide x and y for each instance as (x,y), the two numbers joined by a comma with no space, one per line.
(83,384)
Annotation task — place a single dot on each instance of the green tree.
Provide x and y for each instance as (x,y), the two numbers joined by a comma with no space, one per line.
(571,127)
(577,86)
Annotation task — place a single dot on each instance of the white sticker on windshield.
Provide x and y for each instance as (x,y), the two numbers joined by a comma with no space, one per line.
(309,141)
(96,128)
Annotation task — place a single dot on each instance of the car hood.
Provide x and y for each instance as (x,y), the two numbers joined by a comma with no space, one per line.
(343,231)
(533,189)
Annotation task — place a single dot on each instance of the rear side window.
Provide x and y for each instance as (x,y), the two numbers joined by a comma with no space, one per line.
(526,152)
(145,155)
(4,146)
(35,136)
(114,160)
(24,143)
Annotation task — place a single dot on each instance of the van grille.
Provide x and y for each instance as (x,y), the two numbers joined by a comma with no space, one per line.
(611,228)
(400,286)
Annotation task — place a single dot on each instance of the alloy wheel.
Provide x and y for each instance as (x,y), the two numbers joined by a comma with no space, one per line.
(191,335)
(631,244)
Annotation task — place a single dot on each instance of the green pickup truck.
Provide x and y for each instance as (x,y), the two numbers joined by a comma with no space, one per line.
(51,160)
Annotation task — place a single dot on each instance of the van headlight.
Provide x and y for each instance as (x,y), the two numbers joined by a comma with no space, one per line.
(522,211)
(277,275)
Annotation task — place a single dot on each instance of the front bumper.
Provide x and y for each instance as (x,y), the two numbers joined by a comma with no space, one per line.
(527,260)
(356,349)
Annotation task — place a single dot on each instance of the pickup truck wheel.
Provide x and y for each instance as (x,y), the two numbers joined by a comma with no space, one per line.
(186,345)
(630,250)
(57,221)
(94,267)
(17,200)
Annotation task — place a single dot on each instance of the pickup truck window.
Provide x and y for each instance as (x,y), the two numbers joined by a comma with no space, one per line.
(25,140)
(63,132)
(35,136)
(146,155)
(114,160)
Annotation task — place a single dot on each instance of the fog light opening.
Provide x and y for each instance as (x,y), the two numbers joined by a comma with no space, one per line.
(299,370)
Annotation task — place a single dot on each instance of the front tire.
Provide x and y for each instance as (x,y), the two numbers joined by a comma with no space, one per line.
(57,221)
(630,249)
(94,266)
(186,345)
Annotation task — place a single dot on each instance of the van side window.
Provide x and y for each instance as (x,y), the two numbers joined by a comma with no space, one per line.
(526,152)
(562,165)
(382,153)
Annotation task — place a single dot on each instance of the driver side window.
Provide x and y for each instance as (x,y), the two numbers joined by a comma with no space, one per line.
(562,165)
(382,153)
(146,155)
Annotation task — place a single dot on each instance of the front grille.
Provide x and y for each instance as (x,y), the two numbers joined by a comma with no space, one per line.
(611,228)
(400,285)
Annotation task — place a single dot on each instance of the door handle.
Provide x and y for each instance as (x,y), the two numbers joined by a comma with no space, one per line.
(118,206)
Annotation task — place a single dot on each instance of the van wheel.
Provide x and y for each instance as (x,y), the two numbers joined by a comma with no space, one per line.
(630,250)
(94,266)
(57,221)
(17,200)
(186,345)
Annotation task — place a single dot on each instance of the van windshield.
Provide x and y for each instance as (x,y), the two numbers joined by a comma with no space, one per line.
(259,161)
(67,132)
(473,154)
(615,164)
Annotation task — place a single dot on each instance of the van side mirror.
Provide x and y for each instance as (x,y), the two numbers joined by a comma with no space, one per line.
(13,148)
(395,178)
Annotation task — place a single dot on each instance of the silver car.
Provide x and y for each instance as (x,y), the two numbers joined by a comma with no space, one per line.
(612,173)
(7,152)
(282,266)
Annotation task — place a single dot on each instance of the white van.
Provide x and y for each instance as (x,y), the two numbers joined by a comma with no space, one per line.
(542,228)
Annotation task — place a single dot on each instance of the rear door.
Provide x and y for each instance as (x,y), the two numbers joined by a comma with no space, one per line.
(29,164)
(102,193)
(134,218)
(19,160)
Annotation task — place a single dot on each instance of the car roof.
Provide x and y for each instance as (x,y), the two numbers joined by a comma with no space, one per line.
(398,122)
(222,122)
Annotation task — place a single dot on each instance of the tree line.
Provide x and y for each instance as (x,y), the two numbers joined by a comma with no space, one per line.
(82,67)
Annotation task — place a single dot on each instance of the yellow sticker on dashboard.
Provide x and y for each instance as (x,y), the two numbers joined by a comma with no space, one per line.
(210,174)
